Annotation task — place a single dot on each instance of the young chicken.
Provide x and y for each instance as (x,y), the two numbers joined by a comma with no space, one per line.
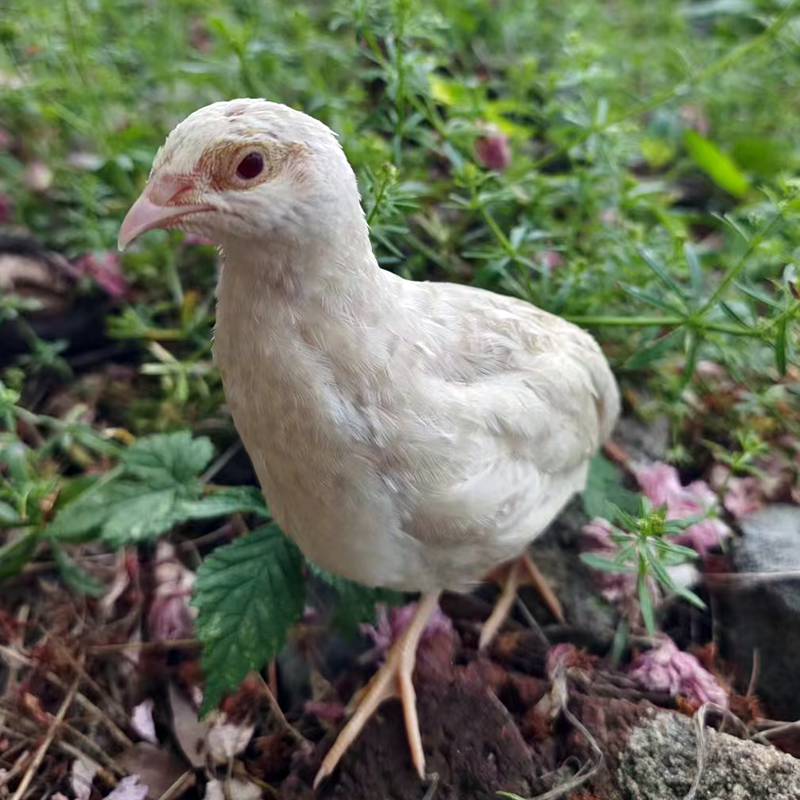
(409,435)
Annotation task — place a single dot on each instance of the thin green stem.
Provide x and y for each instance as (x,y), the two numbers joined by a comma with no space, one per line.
(626,322)
(505,243)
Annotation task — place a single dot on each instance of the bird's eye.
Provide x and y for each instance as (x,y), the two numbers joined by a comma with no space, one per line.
(251,166)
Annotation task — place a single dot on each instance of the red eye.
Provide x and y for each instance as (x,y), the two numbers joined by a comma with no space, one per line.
(251,166)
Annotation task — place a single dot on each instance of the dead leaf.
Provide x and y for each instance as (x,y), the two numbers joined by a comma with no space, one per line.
(226,740)
(142,721)
(190,732)
(231,790)
(130,788)
(81,776)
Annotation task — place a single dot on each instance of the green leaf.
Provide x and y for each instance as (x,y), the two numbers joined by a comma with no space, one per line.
(652,299)
(646,604)
(228,500)
(80,581)
(249,593)
(168,459)
(15,554)
(655,350)
(721,168)
(8,514)
(695,273)
(356,602)
(147,515)
(606,564)
(661,273)
(81,520)
(691,345)
(780,344)
(604,489)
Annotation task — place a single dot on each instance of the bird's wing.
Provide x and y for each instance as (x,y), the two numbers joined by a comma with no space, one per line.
(516,402)
(537,383)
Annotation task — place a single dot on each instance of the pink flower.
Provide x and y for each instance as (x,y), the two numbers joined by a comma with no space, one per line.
(614,586)
(104,269)
(493,150)
(661,484)
(325,711)
(171,617)
(743,496)
(667,669)
(552,259)
(390,624)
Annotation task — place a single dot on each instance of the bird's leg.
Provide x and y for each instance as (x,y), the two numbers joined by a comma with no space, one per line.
(510,577)
(393,679)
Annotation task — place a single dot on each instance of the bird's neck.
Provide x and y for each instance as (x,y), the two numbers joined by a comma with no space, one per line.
(328,277)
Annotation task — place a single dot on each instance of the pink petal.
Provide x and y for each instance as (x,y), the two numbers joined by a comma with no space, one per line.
(667,669)
(493,151)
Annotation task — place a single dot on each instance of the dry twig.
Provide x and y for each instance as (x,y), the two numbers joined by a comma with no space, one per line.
(45,746)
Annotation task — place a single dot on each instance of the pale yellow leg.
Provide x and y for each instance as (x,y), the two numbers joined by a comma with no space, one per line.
(539,582)
(393,679)
(519,572)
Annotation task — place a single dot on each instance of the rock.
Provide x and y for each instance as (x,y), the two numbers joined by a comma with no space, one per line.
(660,763)
(644,442)
(764,615)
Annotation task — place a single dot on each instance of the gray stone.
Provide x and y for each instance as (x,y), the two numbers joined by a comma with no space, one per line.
(764,615)
(660,763)
(771,543)
(643,441)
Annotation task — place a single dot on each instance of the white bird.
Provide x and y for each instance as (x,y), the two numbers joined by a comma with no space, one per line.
(408,435)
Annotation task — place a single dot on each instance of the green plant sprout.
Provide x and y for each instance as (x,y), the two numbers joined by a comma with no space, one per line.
(646,552)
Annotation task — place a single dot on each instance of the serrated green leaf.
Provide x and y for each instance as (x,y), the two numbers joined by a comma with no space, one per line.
(248,593)
(605,490)
(228,500)
(356,602)
(147,515)
(81,520)
(168,459)
(720,167)
(80,581)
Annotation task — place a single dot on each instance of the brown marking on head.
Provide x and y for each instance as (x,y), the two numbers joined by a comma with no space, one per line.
(217,166)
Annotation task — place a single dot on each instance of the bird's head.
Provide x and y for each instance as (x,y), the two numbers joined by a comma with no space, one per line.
(248,170)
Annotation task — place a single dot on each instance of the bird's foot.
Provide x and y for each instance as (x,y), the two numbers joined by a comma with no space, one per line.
(510,577)
(393,679)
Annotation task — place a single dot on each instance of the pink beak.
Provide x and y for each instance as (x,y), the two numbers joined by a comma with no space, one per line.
(159,206)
